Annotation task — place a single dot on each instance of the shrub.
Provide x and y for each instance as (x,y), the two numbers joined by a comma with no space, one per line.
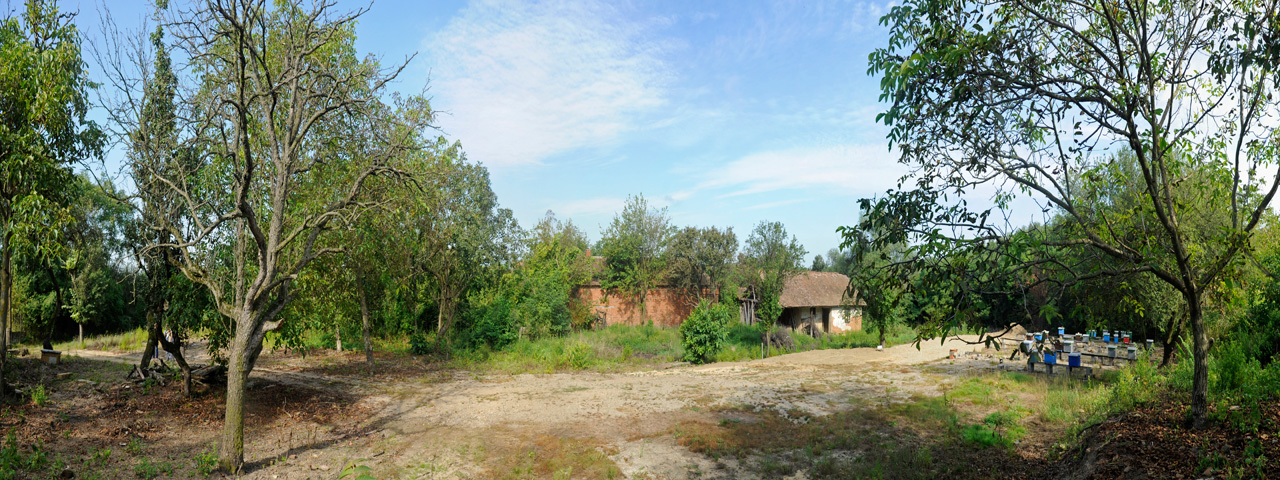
(579,356)
(39,396)
(422,343)
(489,324)
(705,331)
(206,463)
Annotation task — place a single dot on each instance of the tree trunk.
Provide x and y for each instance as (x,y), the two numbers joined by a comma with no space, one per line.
(6,298)
(175,348)
(1200,378)
(231,449)
(337,335)
(81,325)
(1172,338)
(881,329)
(364,320)
(153,338)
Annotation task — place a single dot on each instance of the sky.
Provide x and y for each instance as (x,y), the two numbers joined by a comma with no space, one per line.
(725,113)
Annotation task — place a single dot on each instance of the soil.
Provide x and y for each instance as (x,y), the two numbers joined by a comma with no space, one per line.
(312,417)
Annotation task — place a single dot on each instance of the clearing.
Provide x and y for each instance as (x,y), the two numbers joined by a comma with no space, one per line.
(799,415)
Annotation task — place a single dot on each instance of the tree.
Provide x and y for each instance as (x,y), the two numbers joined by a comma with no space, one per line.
(280,96)
(156,158)
(819,264)
(42,131)
(633,246)
(874,282)
(771,259)
(462,231)
(699,260)
(1035,98)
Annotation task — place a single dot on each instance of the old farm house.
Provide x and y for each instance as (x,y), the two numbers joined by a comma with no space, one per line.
(812,302)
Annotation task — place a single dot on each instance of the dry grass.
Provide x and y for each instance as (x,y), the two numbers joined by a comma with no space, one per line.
(559,458)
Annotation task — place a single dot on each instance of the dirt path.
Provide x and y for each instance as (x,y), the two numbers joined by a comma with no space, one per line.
(451,427)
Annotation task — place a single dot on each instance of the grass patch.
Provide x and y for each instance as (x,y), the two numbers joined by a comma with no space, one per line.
(628,348)
(127,342)
(857,443)
(614,348)
(559,458)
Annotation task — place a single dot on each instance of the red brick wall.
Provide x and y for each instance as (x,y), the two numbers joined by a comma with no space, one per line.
(664,306)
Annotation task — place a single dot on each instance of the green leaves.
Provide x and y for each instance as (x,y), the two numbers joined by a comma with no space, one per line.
(705,331)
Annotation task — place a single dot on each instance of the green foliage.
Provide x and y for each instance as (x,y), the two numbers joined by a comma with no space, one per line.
(537,295)
(357,471)
(134,446)
(705,331)
(99,456)
(13,461)
(148,469)
(770,258)
(633,246)
(206,463)
(579,356)
(699,260)
(38,396)
(422,343)
(489,323)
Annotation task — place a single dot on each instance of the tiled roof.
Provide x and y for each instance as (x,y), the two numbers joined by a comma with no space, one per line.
(814,289)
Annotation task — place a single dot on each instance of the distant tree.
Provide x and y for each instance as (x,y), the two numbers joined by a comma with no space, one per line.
(699,260)
(819,264)
(633,246)
(540,290)
(770,259)
(879,288)
(841,261)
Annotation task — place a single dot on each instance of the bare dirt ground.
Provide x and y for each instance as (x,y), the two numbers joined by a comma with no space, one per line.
(312,418)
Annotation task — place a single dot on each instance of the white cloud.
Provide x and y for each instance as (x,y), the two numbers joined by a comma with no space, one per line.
(847,169)
(522,81)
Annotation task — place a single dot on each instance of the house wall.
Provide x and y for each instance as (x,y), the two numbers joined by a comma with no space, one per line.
(826,319)
(664,306)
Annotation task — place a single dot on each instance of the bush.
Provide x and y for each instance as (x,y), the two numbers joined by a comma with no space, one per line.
(422,343)
(705,331)
(489,324)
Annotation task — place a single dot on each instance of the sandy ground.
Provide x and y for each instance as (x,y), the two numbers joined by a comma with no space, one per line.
(434,427)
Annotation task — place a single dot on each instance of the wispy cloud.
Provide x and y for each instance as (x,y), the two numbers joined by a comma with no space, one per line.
(781,203)
(847,170)
(523,81)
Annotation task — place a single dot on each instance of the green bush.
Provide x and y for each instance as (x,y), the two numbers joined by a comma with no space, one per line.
(489,324)
(705,331)
(421,343)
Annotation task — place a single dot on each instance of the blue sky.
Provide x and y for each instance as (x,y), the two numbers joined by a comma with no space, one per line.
(726,113)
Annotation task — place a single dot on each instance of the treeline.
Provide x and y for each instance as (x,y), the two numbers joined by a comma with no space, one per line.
(274,187)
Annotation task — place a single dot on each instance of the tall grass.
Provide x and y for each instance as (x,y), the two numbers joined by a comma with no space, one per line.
(614,348)
(627,347)
(127,342)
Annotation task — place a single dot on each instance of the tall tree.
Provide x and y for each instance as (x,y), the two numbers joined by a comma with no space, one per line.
(42,132)
(280,94)
(633,245)
(462,231)
(1034,98)
(699,260)
(771,258)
